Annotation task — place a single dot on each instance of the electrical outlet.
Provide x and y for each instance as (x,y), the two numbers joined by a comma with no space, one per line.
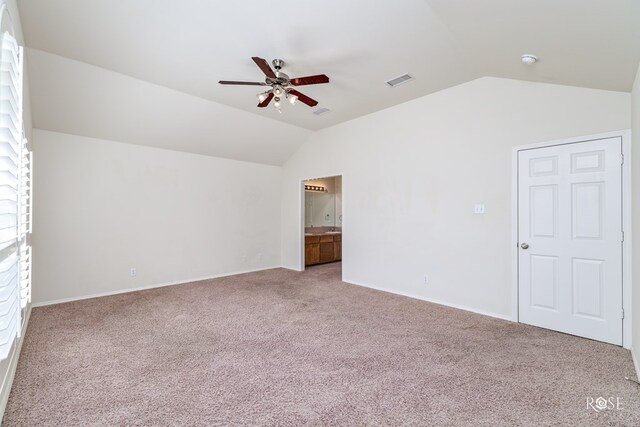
(426,279)
(133,272)
(479,209)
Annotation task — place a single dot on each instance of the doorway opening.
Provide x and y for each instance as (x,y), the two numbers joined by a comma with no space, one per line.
(322,221)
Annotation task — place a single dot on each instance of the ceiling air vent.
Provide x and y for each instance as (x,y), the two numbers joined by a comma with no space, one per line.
(399,80)
(321,111)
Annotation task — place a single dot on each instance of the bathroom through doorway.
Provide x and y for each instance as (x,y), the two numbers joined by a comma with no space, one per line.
(322,215)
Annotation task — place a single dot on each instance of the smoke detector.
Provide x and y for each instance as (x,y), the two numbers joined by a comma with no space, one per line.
(528,59)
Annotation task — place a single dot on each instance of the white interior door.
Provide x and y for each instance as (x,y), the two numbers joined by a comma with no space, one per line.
(570,238)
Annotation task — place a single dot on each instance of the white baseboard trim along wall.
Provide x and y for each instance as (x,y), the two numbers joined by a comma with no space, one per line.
(153,286)
(431,300)
(635,364)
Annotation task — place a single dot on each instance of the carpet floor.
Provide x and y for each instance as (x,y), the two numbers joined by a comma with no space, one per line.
(287,348)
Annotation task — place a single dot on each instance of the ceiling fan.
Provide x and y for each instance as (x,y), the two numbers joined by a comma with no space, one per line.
(281,85)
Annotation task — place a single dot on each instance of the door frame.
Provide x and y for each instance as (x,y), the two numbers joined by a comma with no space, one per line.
(301,217)
(301,226)
(625,136)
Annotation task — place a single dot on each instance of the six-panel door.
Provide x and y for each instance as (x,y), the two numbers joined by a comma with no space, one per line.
(570,238)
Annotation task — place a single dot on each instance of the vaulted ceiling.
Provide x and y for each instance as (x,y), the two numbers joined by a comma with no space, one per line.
(187,46)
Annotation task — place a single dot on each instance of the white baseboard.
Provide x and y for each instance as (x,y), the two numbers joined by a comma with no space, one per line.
(142,288)
(7,381)
(432,300)
(635,364)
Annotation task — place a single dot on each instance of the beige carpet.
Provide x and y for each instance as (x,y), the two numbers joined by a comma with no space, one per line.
(289,349)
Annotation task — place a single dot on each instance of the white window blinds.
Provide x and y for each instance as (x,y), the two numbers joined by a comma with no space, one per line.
(24,221)
(15,197)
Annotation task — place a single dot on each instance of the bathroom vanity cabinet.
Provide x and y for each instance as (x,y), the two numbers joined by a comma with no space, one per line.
(322,248)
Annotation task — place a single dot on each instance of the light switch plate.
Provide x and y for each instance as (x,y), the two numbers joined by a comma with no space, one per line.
(478,209)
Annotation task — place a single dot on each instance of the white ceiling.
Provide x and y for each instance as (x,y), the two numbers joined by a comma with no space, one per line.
(588,43)
(76,98)
(189,45)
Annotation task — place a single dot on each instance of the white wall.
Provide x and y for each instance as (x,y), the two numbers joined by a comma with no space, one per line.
(412,173)
(103,207)
(635,171)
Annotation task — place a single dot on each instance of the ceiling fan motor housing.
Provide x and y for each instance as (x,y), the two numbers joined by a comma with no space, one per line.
(281,78)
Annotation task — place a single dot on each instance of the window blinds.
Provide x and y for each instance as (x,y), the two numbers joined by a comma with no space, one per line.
(24,209)
(15,197)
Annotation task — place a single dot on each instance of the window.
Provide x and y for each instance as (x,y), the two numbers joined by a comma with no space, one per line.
(15,197)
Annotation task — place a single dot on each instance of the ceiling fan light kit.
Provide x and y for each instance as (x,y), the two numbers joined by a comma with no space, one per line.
(282,86)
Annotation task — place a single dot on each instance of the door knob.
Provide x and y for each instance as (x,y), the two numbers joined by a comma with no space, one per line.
(524,246)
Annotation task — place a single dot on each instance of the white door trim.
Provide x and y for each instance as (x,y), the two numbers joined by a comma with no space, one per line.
(301,226)
(625,135)
(301,217)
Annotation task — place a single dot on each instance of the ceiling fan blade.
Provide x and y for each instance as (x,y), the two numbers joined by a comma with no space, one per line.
(310,80)
(264,66)
(304,98)
(228,82)
(266,101)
